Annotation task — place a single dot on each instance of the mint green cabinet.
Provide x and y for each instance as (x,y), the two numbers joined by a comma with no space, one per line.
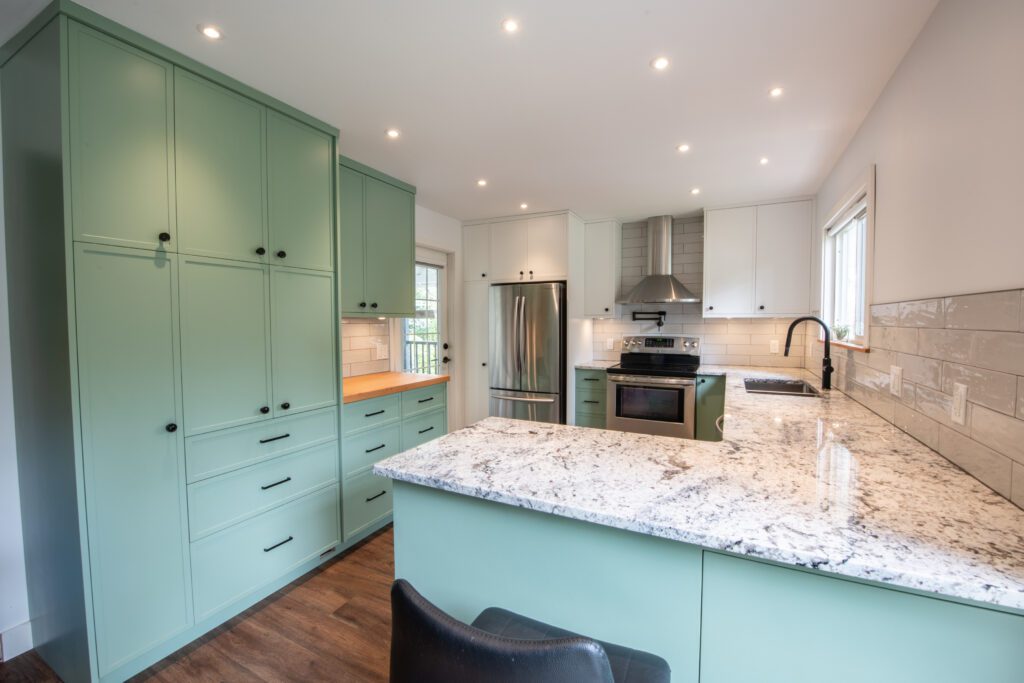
(224,351)
(710,406)
(303,341)
(591,397)
(132,452)
(350,208)
(121,137)
(219,157)
(300,188)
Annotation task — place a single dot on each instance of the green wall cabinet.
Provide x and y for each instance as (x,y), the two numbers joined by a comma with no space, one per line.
(710,406)
(378,242)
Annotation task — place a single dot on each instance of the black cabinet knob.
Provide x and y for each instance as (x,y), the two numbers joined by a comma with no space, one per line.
(286,405)
(483,365)
(445,346)
(446,359)
(483,274)
(165,237)
(281,254)
(711,308)
(171,427)
(362,304)
(261,251)
(605,309)
(760,308)
(373,305)
(265,409)
(520,273)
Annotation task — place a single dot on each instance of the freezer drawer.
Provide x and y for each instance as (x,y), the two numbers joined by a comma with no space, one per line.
(522,405)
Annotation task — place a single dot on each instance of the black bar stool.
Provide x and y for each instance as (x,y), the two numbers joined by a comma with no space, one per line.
(429,646)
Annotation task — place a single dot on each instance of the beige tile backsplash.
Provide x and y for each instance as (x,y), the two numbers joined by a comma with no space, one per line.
(976,340)
(365,346)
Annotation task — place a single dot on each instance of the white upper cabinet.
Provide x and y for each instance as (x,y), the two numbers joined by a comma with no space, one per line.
(509,250)
(476,252)
(757,260)
(602,250)
(547,246)
(524,249)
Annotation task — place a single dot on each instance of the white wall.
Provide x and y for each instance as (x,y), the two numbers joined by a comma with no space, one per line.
(947,136)
(444,233)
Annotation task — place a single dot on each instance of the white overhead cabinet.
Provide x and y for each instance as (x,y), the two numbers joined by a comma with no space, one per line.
(602,251)
(525,249)
(757,260)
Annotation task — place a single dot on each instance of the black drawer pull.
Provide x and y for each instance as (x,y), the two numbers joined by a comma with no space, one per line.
(275,438)
(375,497)
(589,401)
(425,400)
(424,431)
(379,412)
(276,483)
(591,379)
(371,450)
(278,545)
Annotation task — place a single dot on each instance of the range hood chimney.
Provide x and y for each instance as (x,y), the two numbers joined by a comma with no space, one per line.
(660,286)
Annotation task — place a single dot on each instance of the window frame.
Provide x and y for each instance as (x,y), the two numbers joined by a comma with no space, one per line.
(425,256)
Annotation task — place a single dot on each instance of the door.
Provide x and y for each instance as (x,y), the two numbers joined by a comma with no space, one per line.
(224,343)
(783,279)
(302,334)
(729,261)
(132,450)
(476,250)
(350,198)
(300,174)
(505,360)
(477,330)
(548,248)
(424,337)
(522,405)
(219,158)
(509,250)
(390,248)
(541,330)
(120,143)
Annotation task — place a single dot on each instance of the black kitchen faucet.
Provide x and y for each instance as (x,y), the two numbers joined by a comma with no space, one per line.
(826,362)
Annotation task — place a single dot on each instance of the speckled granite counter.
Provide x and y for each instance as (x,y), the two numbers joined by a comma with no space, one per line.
(820,483)
(596,364)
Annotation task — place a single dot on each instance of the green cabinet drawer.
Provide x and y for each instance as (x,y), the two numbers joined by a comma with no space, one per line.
(590,420)
(422,428)
(215,453)
(591,379)
(373,411)
(591,401)
(233,563)
(366,501)
(365,448)
(420,400)
(709,407)
(216,503)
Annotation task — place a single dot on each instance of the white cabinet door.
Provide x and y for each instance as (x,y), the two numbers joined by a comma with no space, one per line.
(729,261)
(601,254)
(509,250)
(782,285)
(476,343)
(476,252)
(548,248)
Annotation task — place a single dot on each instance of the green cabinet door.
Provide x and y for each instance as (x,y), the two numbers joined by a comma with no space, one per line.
(224,343)
(710,406)
(300,177)
(350,205)
(302,333)
(133,458)
(220,171)
(390,248)
(120,143)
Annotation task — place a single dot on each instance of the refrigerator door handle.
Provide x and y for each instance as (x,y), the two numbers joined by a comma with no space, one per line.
(521,337)
(523,400)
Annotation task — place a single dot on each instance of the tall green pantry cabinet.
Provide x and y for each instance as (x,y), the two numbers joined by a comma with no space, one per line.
(171,246)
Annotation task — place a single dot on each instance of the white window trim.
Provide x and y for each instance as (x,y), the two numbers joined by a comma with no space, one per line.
(431,257)
(862,192)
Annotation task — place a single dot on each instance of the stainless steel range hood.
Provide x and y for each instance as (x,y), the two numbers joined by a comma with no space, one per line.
(660,286)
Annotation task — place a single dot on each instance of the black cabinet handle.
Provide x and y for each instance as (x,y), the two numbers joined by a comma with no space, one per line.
(282,254)
(278,545)
(165,237)
(445,346)
(425,400)
(701,381)
(520,273)
(261,251)
(379,412)
(760,308)
(275,438)
(377,448)
(286,405)
(375,497)
(265,409)
(424,431)
(171,427)
(711,308)
(483,274)
(605,309)
(373,305)
(276,483)
(589,401)
(362,304)
(446,359)
(591,379)
(483,365)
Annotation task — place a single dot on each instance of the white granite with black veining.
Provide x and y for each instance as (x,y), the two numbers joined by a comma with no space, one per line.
(821,483)
(596,364)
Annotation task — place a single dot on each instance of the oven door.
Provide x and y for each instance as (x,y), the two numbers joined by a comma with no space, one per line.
(651,405)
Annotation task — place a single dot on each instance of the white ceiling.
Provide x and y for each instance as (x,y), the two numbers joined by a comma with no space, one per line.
(567,113)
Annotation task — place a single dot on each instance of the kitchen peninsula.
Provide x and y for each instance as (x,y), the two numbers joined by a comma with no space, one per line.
(812,531)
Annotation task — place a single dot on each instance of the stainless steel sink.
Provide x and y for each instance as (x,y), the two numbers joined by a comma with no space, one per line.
(785,387)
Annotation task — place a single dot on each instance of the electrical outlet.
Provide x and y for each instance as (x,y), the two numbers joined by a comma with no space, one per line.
(773,346)
(959,408)
(895,380)
(609,344)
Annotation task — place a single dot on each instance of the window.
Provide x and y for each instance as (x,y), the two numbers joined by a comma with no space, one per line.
(847,244)
(422,336)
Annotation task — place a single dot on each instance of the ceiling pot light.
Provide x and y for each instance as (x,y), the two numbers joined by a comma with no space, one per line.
(683,148)
(481,183)
(393,133)
(775,92)
(524,205)
(764,161)
(210,31)
(510,25)
(695,190)
(660,63)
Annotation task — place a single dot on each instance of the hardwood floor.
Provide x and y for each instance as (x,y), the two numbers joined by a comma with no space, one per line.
(334,624)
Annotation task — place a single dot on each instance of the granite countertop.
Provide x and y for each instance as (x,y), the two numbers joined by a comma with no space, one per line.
(362,387)
(596,364)
(818,483)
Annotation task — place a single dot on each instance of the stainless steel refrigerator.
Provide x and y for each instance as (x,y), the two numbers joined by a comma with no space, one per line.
(527,357)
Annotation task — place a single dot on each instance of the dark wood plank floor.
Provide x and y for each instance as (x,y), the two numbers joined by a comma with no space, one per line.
(333,624)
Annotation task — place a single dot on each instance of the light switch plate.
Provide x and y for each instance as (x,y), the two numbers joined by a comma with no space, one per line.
(609,343)
(959,408)
(773,346)
(895,380)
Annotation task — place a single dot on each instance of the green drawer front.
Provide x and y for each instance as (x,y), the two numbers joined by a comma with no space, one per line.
(216,503)
(422,428)
(591,379)
(207,455)
(591,401)
(367,500)
(362,450)
(231,564)
(373,411)
(423,399)
(590,420)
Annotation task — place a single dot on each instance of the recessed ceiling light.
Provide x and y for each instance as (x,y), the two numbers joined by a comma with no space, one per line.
(660,63)
(210,31)
(764,161)
(775,92)
(393,133)
(510,25)
(524,205)
(481,183)
(683,148)
(695,190)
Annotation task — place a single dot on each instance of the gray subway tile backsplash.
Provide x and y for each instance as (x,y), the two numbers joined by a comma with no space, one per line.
(924,313)
(995,311)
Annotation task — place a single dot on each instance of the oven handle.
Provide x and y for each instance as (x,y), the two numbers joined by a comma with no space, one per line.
(524,400)
(647,381)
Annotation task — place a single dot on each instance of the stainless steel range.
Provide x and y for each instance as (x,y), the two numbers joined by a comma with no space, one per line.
(653,388)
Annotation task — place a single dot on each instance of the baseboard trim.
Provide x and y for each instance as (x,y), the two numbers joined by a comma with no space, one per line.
(15,641)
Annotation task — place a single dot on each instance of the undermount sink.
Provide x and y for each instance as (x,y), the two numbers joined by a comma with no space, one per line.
(786,387)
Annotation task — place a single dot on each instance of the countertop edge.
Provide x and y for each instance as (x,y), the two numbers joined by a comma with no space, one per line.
(396,388)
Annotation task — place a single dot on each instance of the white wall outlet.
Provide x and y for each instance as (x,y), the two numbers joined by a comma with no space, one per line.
(609,343)
(773,346)
(895,380)
(959,408)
